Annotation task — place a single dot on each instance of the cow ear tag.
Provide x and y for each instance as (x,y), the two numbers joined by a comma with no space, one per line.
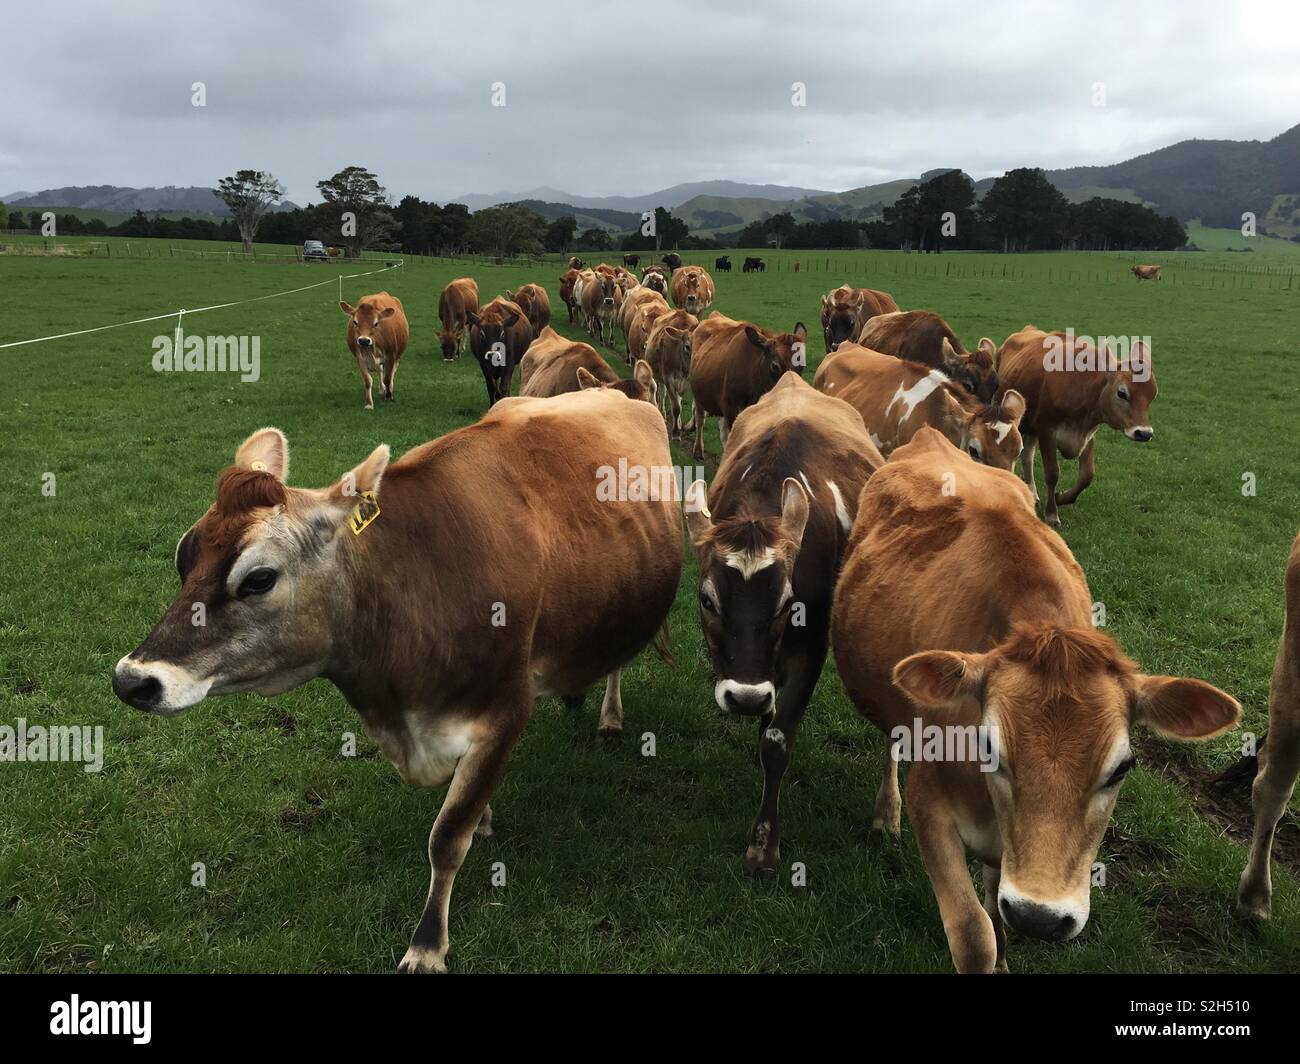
(363,513)
(258,467)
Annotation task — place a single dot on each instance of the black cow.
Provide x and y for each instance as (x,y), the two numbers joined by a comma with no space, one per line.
(499,335)
(752,265)
(723,263)
(673,260)
(631,260)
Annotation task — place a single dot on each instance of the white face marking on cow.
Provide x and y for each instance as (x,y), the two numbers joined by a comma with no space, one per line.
(841,511)
(748,563)
(916,394)
(1001,428)
(180,687)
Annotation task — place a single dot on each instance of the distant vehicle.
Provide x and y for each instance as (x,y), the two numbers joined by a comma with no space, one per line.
(314,249)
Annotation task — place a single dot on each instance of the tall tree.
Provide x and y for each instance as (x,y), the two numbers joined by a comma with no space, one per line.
(559,234)
(249,194)
(360,204)
(507,229)
(1025,211)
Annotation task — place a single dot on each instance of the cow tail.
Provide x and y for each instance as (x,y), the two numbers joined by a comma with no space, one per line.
(663,644)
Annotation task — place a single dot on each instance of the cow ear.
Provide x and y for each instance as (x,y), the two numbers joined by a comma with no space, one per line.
(696,506)
(794,510)
(387,312)
(586,379)
(756,338)
(643,374)
(265,450)
(989,348)
(800,330)
(471,317)
(347,308)
(1182,708)
(936,679)
(1012,407)
(362,478)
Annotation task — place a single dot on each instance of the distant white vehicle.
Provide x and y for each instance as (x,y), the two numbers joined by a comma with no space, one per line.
(314,249)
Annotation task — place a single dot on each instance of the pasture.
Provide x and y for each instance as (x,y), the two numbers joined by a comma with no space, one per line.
(613,861)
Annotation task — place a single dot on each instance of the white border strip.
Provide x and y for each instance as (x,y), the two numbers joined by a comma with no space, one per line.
(199,310)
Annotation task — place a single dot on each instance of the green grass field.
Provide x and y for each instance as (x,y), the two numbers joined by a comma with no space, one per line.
(614,861)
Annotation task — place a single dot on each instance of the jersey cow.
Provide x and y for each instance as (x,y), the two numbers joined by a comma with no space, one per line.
(668,350)
(1145,273)
(458,301)
(551,363)
(692,289)
(734,364)
(1072,387)
(769,544)
(442,652)
(377,337)
(599,296)
(963,629)
(897,398)
(499,336)
(846,309)
(535,303)
(922,336)
(567,296)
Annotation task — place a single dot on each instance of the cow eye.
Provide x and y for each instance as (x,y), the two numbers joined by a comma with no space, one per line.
(706,604)
(1121,770)
(974,451)
(1123,392)
(258,582)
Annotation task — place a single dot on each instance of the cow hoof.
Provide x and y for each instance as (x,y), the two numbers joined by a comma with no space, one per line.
(1253,910)
(368,406)
(609,735)
(1052,519)
(761,864)
(422,960)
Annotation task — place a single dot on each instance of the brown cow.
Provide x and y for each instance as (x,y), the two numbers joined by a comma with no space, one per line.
(576,263)
(653,277)
(922,336)
(458,300)
(499,336)
(734,363)
(963,629)
(897,398)
(1146,273)
(377,334)
(668,350)
(551,363)
(570,301)
(846,309)
(1072,387)
(1278,756)
(442,651)
(769,545)
(600,296)
(535,303)
(633,301)
(692,289)
(641,385)
(643,321)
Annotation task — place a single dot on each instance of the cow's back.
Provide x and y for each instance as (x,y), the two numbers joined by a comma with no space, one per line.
(718,361)
(394,332)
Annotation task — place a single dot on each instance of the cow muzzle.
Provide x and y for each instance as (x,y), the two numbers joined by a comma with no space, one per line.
(157,687)
(1140,433)
(1055,921)
(365,341)
(744,699)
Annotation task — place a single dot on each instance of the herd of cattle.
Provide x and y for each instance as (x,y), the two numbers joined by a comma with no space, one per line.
(872,513)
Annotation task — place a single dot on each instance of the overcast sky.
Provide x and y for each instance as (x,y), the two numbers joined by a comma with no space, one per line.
(624,98)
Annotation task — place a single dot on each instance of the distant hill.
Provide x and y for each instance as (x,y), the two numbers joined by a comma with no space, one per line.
(671,197)
(193,200)
(586,217)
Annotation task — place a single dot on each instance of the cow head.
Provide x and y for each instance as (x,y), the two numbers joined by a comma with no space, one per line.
(1127,396)
(746,566)
(641,385)
(608,290)
(365,318)
(1058,703)
(653,279)
(841,316)
(675,340)
(260,579)
(492,325)
(973,371)
(991,434)
(783,351)
(692,298)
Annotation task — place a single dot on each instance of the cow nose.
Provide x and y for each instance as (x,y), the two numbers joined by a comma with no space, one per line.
(1037,920)
(1142,433)
(135,688)
(745,699)
(364,341)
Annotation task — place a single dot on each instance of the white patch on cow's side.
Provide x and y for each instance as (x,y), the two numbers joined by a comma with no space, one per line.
(750,563)
(1072,440)
(1001,428)
(807,486)
(758,695)
(841,511)
(916,394)
(879,443)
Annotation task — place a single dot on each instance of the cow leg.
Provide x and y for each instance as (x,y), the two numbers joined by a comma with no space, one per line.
(681,401)
(390,371)
(1027,465)
(1087,470)
(992,877)
(971,939)
(1051,475)
(888,813)
(1279,764)
(365,383)
(763,855)
(676,398)
(698,453)
(724,430)
(611,709)
(476,777)
(484,829)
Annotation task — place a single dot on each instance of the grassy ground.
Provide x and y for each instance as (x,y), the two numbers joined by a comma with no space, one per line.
(614,861)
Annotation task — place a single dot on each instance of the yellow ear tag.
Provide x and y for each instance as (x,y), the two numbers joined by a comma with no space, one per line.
(364,512)
(258,467)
